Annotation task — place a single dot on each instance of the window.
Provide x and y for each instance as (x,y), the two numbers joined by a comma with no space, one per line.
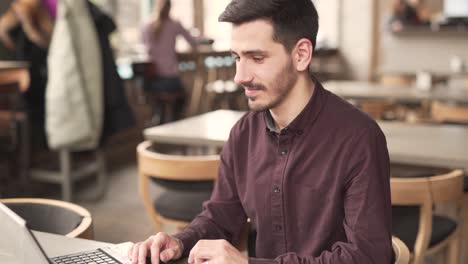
(214,29)
(328,11)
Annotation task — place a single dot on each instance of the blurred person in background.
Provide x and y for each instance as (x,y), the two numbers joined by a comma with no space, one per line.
(26,30)
(159,37)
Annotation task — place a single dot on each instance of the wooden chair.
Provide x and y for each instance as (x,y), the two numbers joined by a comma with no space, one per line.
(187,182)
(414,221)
(70,170)
(376,109)
(446,113)
(400,250)
(397,79)
(53,216)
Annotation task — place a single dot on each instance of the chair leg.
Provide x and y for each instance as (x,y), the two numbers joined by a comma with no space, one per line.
(101,172)
(453,250)
(65,169)
(417,260)
(464,229)
(25,154)
(168,112)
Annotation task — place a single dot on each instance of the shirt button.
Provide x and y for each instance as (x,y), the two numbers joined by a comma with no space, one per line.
(300,132)
(278,228)
(284,152)
(276,189)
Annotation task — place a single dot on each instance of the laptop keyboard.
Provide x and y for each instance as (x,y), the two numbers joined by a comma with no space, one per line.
(90,257)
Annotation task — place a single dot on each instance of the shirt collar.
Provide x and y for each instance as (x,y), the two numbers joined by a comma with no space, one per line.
(305,118)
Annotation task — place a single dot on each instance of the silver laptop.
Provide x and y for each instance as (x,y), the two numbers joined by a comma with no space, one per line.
(18,245)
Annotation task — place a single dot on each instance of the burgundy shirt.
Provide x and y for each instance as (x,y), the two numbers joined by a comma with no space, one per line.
(317,192)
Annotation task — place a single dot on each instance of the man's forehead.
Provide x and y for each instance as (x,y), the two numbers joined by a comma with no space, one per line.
(252,35)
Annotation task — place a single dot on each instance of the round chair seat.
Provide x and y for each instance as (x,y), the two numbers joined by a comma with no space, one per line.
(182,201)
(181,206)
(405,221)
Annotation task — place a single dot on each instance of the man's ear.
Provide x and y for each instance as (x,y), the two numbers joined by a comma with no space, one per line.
(302,54)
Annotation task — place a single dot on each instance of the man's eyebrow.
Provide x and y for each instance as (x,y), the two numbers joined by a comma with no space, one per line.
(250,52)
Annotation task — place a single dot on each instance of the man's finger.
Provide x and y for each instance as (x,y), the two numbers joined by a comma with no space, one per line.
(204,250)
(143,251)
(135,253)
(156,247)
(168,254)
(130,251)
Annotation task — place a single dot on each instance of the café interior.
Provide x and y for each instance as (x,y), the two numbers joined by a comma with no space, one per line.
(135,161)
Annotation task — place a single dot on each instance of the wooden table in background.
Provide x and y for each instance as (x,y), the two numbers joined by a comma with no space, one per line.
(375,91)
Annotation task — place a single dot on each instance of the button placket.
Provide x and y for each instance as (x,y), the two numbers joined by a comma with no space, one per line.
(276,189)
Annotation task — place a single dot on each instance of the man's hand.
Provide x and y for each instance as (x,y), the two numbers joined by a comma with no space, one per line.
(215,251)
(162,247)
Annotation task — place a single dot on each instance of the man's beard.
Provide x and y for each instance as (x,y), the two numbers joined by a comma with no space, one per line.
(283,85)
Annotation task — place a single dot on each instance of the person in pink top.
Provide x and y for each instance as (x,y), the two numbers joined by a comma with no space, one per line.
(159,37)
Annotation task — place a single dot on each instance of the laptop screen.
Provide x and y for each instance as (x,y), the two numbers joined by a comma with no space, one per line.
(18,244)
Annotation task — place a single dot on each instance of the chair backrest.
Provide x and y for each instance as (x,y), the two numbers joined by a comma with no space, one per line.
(434,189)
(400,250)
(442,112)
(425,192)
(53,216)
(171,167)
(397,79)
(176,167)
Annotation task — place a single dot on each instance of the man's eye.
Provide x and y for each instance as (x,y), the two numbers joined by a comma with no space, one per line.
(236,58)
(258,59)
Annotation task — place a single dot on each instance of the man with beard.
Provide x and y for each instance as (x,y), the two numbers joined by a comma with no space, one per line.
(309,170)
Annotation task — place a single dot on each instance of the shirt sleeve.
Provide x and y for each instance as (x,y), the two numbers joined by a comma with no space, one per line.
(367,208)
(190,39)
(223,216)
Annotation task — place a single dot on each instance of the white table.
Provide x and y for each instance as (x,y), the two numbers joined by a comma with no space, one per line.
(367,90)
(416,144)
(426,144)
(210,129)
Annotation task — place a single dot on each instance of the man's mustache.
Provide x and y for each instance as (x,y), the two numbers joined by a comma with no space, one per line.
(253,86)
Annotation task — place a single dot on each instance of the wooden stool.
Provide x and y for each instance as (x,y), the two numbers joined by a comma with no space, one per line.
(66,174)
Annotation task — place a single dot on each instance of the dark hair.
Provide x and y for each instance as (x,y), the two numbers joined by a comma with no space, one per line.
(291,19)
(160,14)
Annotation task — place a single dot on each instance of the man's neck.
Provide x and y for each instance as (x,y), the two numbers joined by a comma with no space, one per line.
(294,103)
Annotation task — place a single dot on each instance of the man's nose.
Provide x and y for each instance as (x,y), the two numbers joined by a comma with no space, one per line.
(243,74)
